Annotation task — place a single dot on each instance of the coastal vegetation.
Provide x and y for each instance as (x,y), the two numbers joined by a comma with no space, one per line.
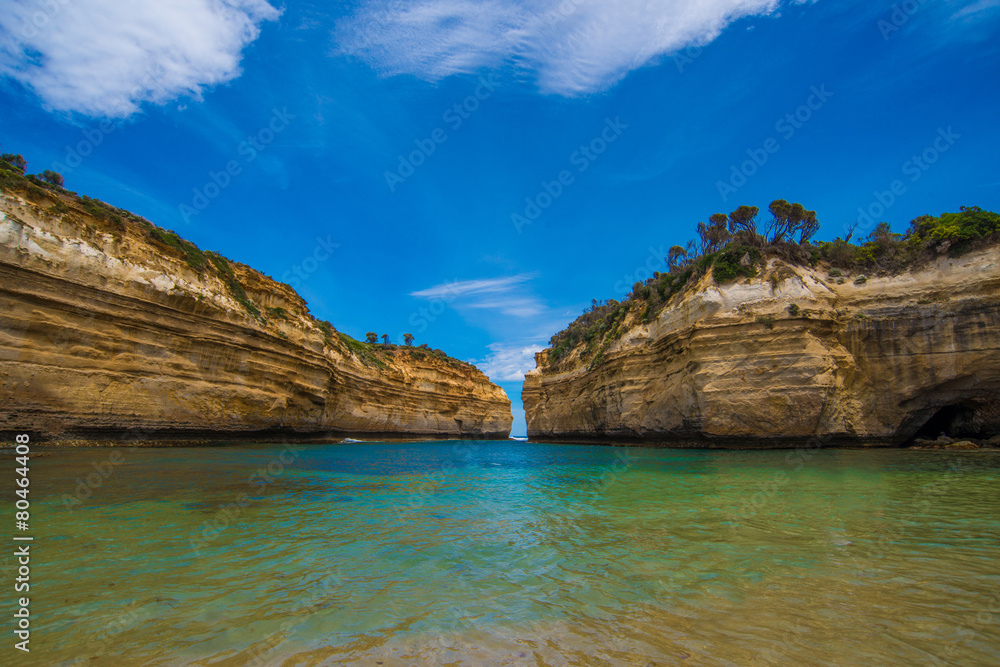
(736,245)
(97,217)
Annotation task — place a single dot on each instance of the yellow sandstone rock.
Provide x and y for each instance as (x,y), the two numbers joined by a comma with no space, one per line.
(103,332)
(736,364)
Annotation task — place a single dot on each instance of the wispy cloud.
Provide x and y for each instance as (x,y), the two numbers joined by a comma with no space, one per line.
(973,10)
(572,46)
(107,57)
(523,307)
(508,362)
(507,295)
(460,288)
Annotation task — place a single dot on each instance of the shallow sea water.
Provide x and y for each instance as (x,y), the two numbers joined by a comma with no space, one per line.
(509,553)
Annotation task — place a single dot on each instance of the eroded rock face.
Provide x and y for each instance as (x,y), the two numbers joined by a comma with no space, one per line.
(876,362)
(104,333)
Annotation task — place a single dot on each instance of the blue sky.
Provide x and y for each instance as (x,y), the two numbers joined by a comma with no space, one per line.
(475,172)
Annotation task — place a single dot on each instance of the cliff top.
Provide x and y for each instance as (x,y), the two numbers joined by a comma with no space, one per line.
(251,294)
(733,247)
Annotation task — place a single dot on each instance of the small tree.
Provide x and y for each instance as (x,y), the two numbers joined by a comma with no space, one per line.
(744,219)
(717,233)
(385,339)
(882,234)
(807,230)
(703,241)
(676,254)
(850,227)
(371,337)
(16,161)
(408,338)
(53,177)
(787,219)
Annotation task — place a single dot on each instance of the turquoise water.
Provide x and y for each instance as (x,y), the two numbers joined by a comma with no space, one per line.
(468,553)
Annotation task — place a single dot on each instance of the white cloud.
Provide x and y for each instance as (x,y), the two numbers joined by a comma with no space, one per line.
(515,307)
(459,288)
(974,9)
(506,295)
(572,46)
(107,57)
(508,363)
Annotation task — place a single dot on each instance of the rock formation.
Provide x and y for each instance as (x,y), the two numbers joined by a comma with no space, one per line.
(789,355)
(112,327)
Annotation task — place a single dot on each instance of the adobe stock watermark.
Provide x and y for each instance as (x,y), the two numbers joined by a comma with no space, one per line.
(611,475)
(227,514)
(654,262)
(970,629)
(299,273)
(318,599)
(561,12)
(913,169)
(32,25)
(686,56)
(424,316)
(868,560)
(85,486)
(581,158)
(94,136)
(899,16)
(455,116)
(248,149)
(786,126)
(101,642)
(436,480)
(768,488)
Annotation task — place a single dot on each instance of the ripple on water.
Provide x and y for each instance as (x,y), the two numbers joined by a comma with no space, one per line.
(510,553)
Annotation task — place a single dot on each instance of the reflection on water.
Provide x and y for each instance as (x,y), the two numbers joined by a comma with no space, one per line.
(514,553)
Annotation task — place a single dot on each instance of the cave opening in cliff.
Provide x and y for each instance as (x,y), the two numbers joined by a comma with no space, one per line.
(947,420)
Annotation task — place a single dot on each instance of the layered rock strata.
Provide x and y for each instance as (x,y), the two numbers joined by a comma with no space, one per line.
(106,331)
(791,355)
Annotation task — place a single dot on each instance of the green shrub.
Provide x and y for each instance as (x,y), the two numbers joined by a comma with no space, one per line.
(191,253)
(736,262)
(16,161)
(766,320)
(229,278)
(327,330)
(838,253)
(742,253)
(968,223)
(278,313)
(793,310)
(861,280)
(52,178)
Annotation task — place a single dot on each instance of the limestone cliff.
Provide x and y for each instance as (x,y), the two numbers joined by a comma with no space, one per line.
(791,354)
(111,325)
